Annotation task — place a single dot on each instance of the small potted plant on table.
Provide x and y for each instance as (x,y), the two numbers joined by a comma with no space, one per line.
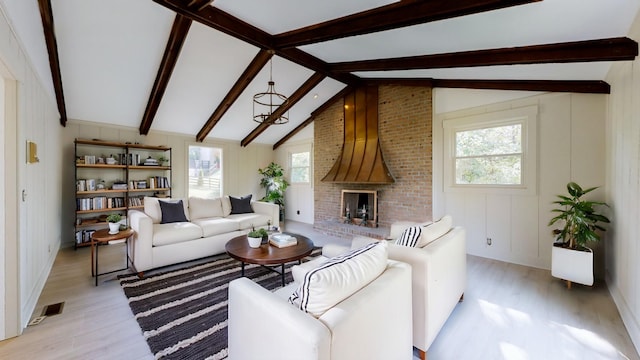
(114,223)
(571,259)
(255,237)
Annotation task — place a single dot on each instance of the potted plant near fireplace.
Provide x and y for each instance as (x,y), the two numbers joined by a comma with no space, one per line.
(275,184)
(571,259)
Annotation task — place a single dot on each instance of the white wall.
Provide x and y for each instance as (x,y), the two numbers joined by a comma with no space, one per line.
(623,189)
(239,164)
(33,239)
(571,146)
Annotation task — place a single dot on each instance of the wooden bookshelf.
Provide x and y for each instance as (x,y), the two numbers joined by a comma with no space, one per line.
(95,167)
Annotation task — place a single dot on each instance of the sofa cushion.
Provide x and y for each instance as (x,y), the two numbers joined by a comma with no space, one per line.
(152,208)
(172,212)
(226,206)
(435,230)
(215,226)
(172,233)
(339,277)
(248,221)
(241,205)
(200,208)
(410,236)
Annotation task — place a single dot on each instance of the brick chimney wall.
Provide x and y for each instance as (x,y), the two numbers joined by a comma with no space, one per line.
(404,126)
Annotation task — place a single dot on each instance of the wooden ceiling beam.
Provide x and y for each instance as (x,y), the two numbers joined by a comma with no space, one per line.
(199,4)
(245,79)
(396,15)
(177,37)
(303,90)
(575,86)
(314,113)
(612,49)
(54,60)
(221,21)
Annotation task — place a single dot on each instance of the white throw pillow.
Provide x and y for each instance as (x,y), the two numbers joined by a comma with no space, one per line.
(152,208)
(410,236)
(339,277)
(435,230)
(200,208)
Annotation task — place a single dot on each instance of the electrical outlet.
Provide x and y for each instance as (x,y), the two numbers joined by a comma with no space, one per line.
(489,241)
(36,320)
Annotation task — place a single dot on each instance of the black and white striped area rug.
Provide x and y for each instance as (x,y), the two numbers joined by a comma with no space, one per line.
(183,313)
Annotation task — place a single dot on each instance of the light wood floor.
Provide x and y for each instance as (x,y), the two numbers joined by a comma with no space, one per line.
(509,312)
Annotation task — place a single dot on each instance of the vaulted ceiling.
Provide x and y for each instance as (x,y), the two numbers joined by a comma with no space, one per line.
(192,66)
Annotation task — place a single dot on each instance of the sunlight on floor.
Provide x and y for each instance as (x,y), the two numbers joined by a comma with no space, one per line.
(564,340)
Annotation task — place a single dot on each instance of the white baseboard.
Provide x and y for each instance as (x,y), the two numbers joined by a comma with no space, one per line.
(630,322)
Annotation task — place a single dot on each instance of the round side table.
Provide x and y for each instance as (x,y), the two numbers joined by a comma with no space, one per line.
(102,237)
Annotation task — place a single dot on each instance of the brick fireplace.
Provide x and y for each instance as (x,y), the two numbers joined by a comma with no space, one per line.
(404,126)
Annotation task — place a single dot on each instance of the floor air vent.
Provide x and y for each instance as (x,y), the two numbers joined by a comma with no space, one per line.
(53,309)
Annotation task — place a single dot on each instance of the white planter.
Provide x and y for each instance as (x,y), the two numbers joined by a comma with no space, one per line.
(114,228)
(254,242)
(572,265)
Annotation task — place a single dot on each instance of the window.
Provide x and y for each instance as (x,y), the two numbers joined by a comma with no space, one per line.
(205,171)
(492,152)
(300,167)
(489,156)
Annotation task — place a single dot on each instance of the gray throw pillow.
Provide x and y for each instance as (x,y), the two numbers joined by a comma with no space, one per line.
(241,205)
(172,212)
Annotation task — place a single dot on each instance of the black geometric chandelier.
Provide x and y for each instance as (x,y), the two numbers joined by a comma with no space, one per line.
(265,103)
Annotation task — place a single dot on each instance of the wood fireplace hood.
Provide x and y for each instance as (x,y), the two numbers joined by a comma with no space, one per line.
(360,161)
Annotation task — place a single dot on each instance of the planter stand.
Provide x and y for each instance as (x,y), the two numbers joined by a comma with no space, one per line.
(572,265)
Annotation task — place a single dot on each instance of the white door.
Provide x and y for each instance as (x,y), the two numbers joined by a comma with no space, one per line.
(9,274)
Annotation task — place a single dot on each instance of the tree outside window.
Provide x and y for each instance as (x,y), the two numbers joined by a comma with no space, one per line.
(489,156)
(300,167)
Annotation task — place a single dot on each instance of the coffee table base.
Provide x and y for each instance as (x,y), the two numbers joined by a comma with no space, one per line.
(271,268)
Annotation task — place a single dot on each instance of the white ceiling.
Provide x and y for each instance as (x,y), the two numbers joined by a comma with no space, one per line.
(110,51)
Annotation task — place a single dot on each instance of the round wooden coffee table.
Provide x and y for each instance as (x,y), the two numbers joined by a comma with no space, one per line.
(268,255)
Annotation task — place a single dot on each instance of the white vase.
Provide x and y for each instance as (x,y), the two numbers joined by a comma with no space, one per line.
(572,265)
(254,242)
(114,228)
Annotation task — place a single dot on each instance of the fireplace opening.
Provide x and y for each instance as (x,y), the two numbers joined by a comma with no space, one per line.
(359,207)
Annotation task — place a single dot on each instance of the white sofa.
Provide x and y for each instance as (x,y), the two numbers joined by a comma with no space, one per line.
(210,225)
(373,323)
(439,273)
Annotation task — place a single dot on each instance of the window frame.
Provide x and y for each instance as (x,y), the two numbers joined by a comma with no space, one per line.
(527,117)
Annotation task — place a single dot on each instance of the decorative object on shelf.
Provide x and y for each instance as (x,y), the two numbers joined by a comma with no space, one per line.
(149,161)
(163,160)
(265,103)
(114,225)
(571,259)
(255,237)
(275,184)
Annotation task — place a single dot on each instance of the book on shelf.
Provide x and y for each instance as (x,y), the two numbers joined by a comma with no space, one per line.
(282,240)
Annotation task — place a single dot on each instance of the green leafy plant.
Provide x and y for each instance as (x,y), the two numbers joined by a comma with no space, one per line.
(258,233)
(114,218)
(274,183)
(581,220)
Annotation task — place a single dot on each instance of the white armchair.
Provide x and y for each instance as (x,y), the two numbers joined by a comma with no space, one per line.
(263,325)
(439,272)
